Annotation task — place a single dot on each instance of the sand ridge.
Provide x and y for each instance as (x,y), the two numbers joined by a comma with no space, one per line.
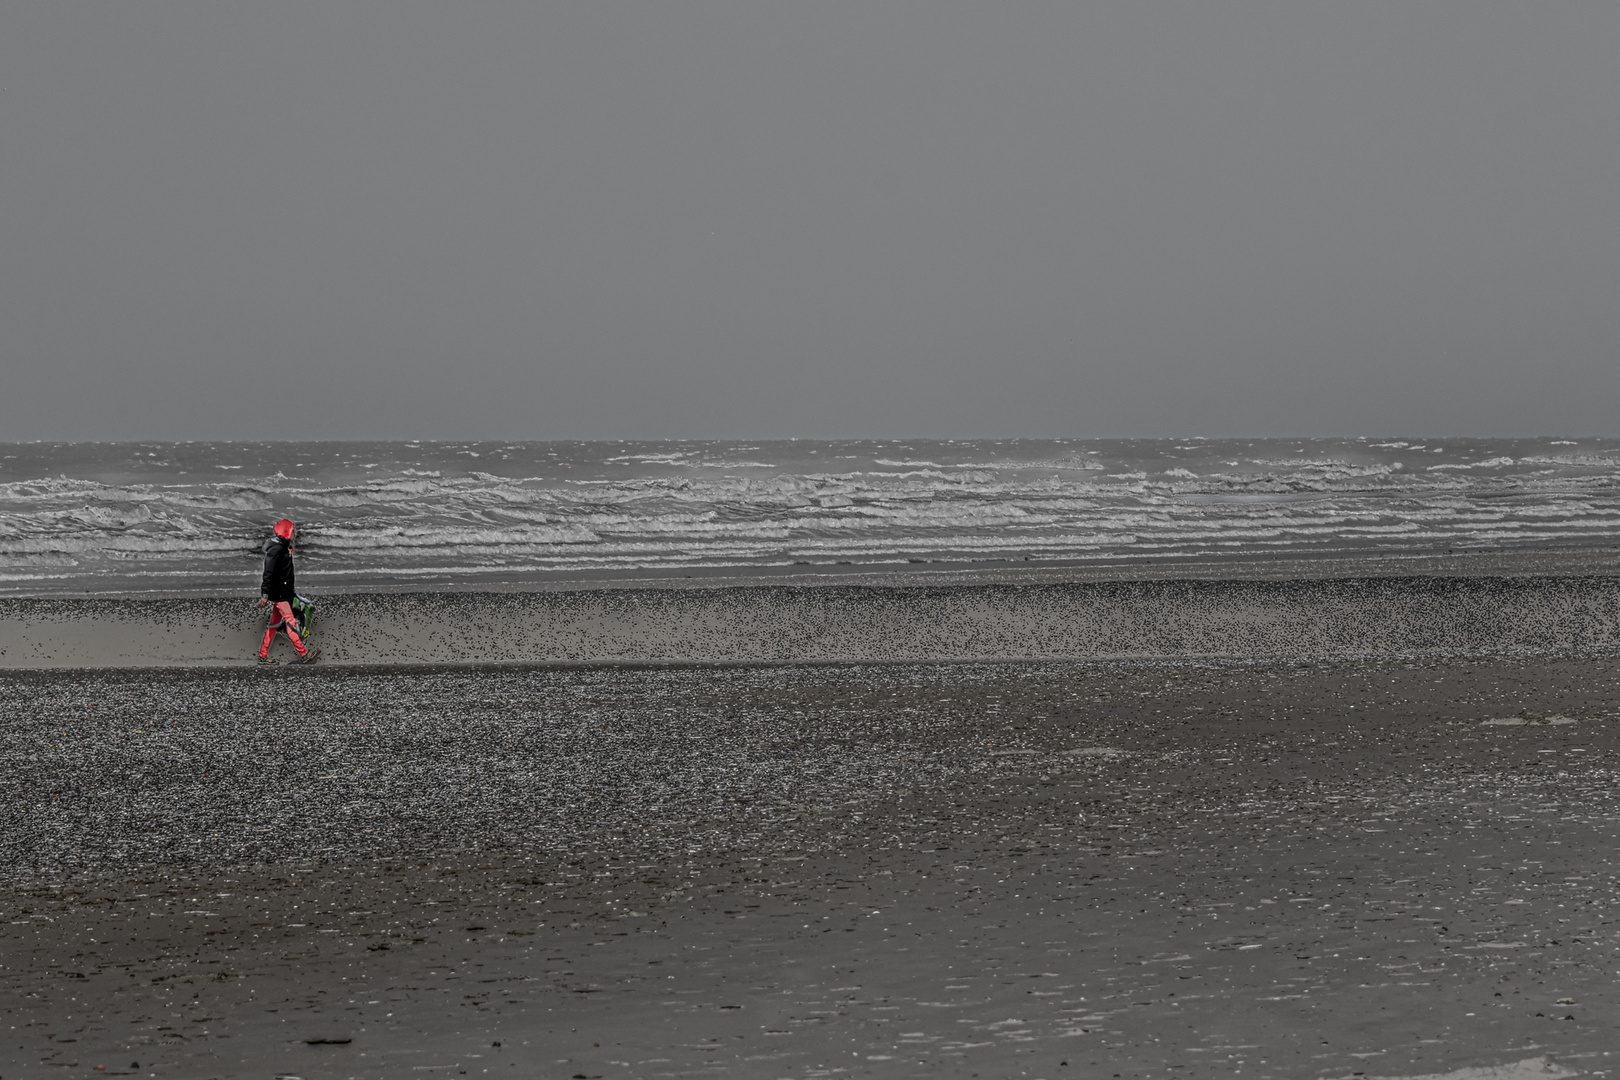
(832,623)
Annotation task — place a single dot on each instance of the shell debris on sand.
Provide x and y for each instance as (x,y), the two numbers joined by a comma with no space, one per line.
(1536,1068)
(1348,863)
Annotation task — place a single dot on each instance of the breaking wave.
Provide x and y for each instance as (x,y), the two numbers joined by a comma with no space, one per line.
(89,516)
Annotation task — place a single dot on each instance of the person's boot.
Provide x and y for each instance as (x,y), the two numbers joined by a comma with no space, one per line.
(309,655)
(266,661)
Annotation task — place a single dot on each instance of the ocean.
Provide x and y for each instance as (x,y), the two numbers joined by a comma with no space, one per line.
(192,517)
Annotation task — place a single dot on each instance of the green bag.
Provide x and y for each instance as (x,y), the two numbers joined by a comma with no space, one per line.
(303,615)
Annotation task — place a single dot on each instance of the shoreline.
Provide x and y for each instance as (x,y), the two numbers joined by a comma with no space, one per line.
(1567,562)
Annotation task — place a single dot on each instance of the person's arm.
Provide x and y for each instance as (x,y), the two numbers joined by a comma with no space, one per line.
(269,572)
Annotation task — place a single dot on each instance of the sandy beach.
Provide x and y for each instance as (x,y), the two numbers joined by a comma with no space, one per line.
(841,541)
(1377,867)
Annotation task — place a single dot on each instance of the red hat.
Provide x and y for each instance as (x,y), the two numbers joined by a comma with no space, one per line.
(284,529)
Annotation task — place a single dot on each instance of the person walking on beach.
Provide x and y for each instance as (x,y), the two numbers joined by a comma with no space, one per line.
(277,590)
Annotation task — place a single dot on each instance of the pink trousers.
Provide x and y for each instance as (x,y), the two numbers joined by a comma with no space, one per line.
(281,619)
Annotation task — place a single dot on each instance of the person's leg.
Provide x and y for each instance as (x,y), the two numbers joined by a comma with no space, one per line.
(285,611)
(276,623)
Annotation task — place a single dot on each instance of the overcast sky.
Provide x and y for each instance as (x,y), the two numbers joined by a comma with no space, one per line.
(755,219)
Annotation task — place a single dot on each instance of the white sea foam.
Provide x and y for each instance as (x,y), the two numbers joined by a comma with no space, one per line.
(373,509)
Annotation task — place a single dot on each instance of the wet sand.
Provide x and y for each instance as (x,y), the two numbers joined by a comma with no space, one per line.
(843,623)
(1042,870)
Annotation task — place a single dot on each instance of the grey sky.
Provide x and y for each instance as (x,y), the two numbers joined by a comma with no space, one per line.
(753,219)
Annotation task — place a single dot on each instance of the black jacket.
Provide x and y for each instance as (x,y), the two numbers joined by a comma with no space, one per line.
(278,572)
